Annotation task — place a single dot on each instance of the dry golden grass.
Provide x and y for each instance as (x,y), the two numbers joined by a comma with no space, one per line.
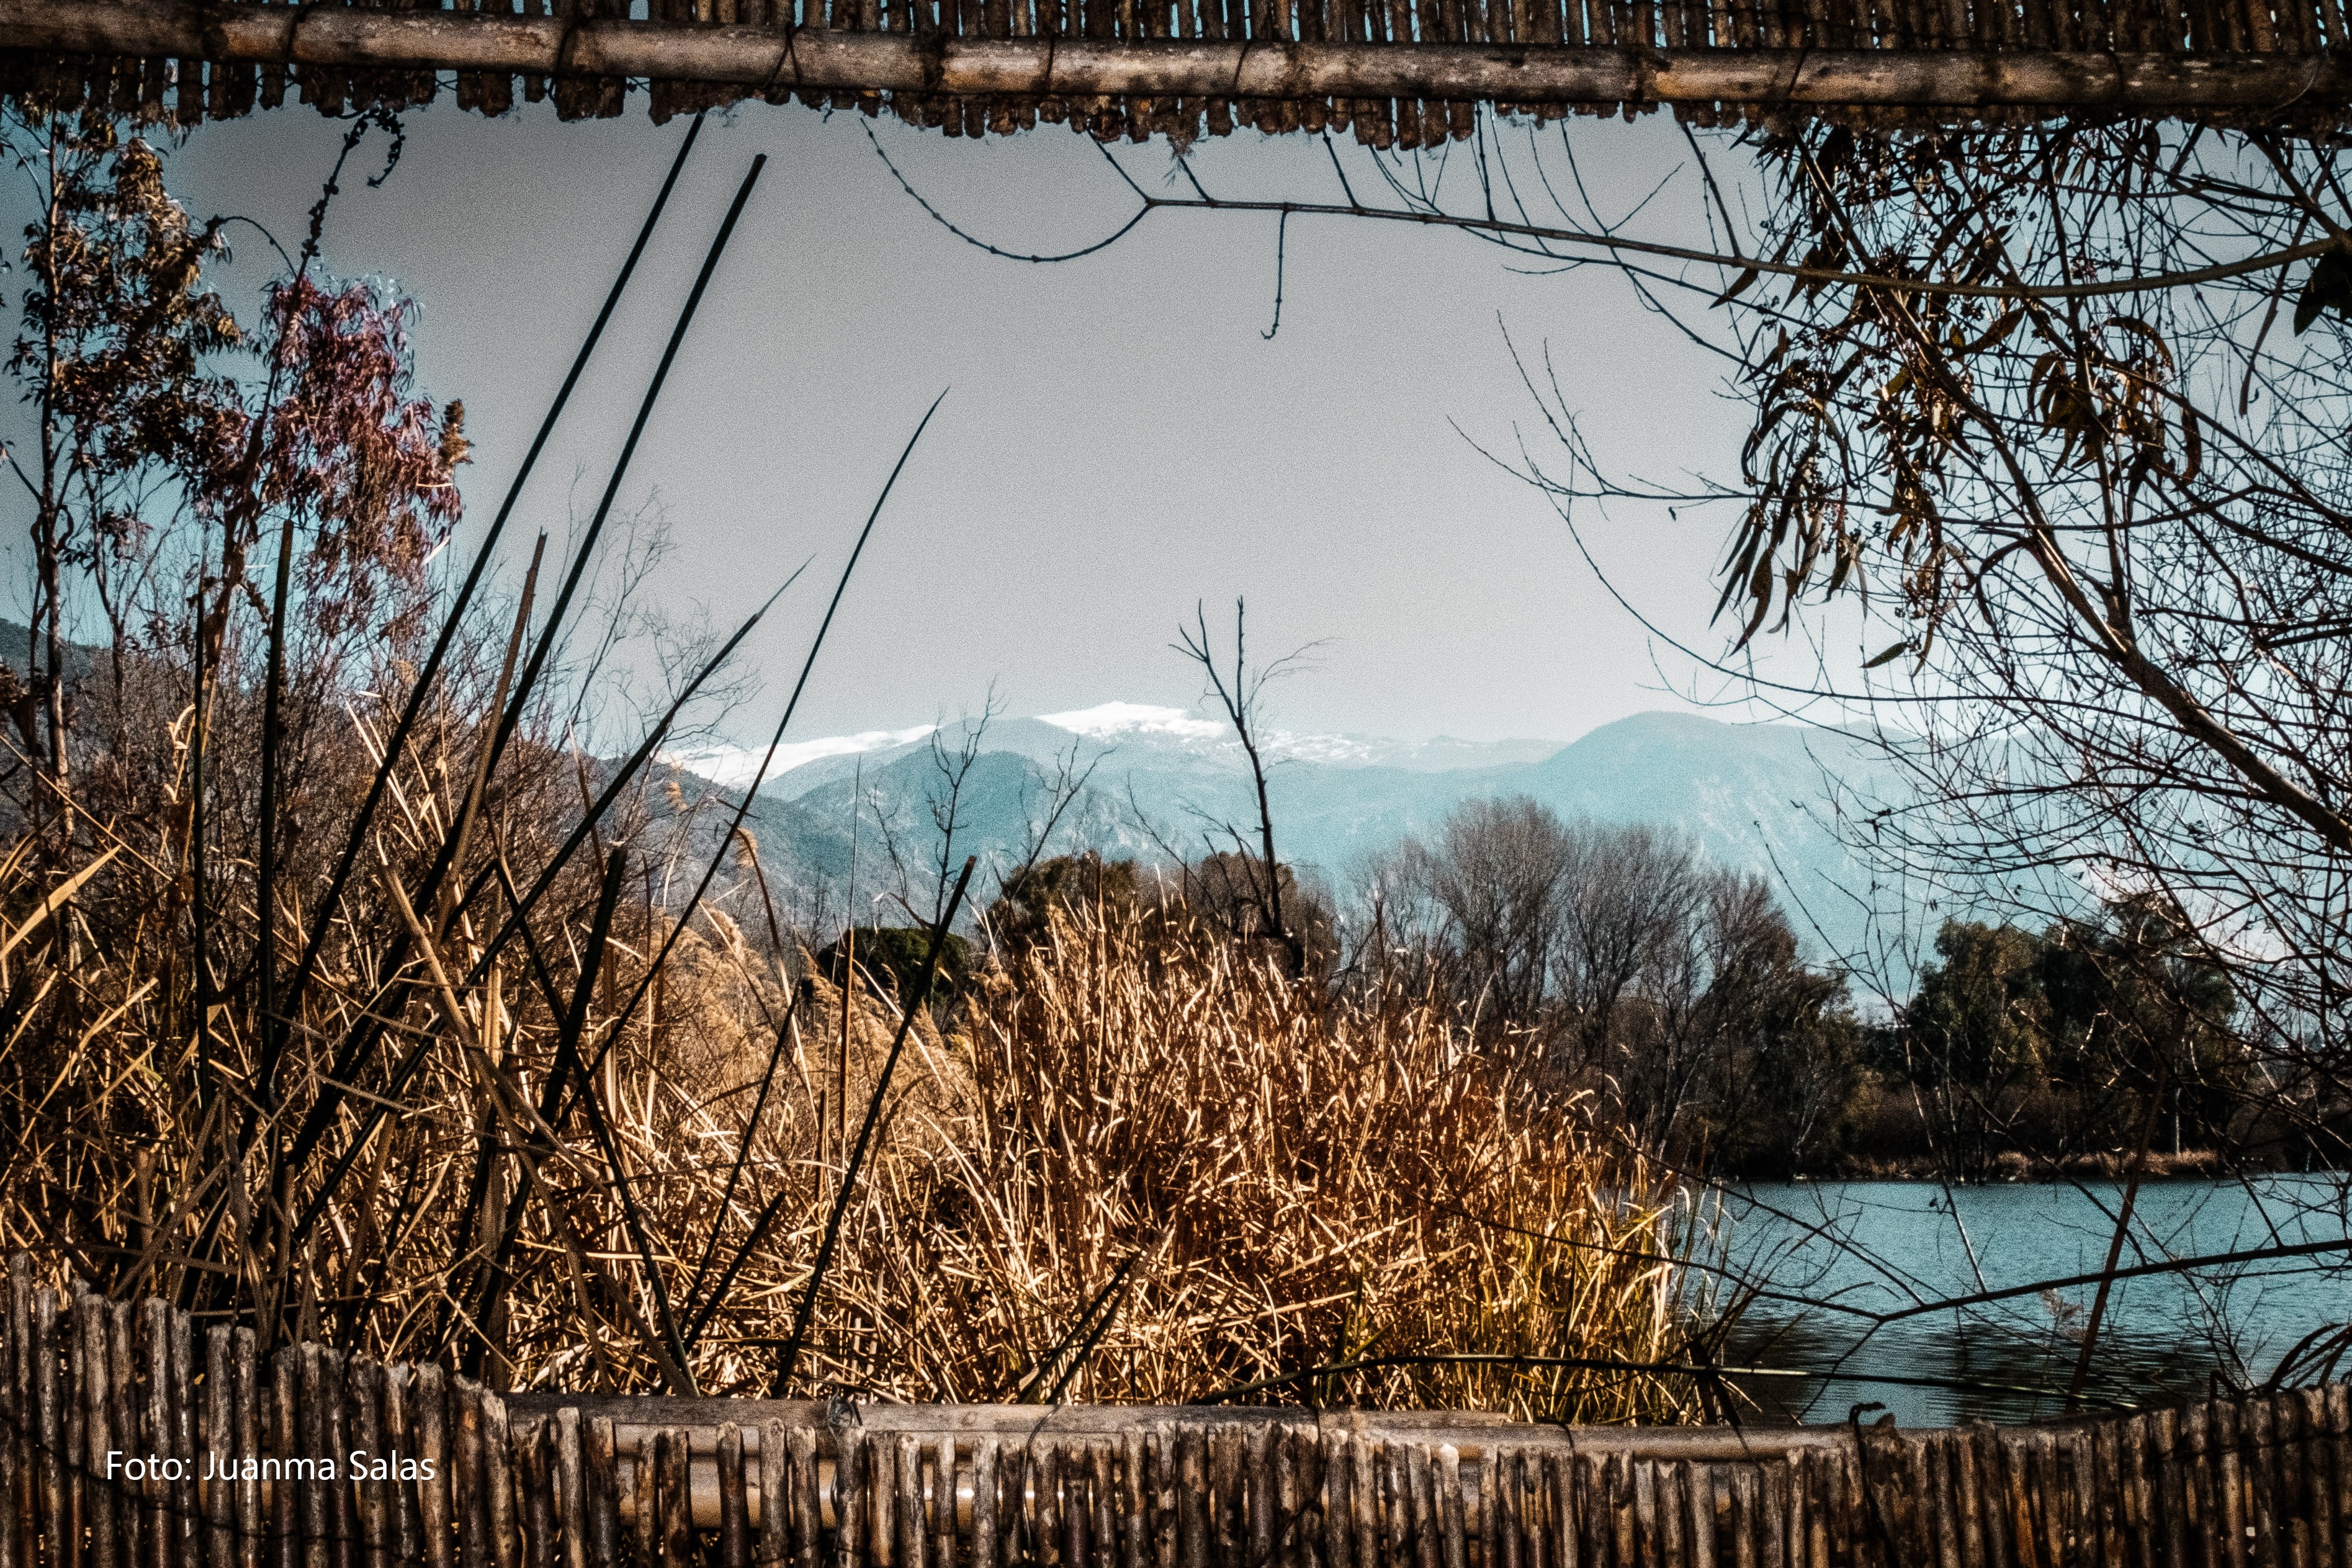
(1142,1165)
(1244,1178)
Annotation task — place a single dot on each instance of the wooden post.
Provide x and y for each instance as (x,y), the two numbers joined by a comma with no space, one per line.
(374,1495)
(282,1434)
(1364,1479)
(303,1435)
(571,1489)
(1699,1487)
(1078,1505)
(341,1491)
(848,1497)
(1938,1508)
(677,1506)
(1422,1504)
(535,1467)
(603,1487)
(433,1494)
(161,1525)
(802,1486)
(644,1518)
(881,1473)
(1451,1521)
(984,1549)
(2328,1411)
(908,1506)
(468,1495)
(498,1482)
(216,1435)
(1191,1495)
(98,1431)
(1135,1492)
(188,1523)
(1163,1454)
(734,1511)
(783,1522)
(946,1501)
(246,1400)
(123,1417)
(405,1522)
(1746,1519)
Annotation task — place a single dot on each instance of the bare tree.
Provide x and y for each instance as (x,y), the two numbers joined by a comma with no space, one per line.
(1239,687)
(1063,790)
(945,803)
(1632,895)
(1671,988)
(951,771)
(1498,875)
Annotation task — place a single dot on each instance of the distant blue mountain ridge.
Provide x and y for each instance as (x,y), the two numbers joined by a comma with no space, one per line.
(1752,798)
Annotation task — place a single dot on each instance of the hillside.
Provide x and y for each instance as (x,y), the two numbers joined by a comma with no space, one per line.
(1752,797)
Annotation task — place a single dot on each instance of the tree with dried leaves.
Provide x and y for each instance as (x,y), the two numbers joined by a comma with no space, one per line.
(2059,406)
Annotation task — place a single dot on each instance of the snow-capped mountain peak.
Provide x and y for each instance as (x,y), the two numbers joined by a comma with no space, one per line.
(731,766)
(1109,721)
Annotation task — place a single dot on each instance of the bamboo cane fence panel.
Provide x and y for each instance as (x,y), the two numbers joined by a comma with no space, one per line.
(1183,68)
(124,1445)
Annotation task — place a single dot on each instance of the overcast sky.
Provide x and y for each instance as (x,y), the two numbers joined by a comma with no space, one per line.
(1119,441)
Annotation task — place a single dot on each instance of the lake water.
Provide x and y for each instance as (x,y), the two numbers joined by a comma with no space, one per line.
(1880,1246)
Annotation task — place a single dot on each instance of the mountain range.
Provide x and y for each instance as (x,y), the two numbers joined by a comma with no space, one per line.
(1162,782)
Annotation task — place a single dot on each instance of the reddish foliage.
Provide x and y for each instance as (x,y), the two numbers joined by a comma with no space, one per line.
(125,351)
(368,466)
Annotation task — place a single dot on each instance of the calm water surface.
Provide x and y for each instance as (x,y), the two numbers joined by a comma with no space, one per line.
(1887,1245)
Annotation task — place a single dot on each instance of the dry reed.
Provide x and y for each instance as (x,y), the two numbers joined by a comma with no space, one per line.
(1144,1165)
(1150,1167)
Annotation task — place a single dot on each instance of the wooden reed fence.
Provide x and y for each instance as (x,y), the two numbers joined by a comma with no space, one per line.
(1404,73)
(133,1440)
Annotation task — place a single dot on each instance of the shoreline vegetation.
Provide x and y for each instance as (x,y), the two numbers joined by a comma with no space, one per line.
(2014,1168)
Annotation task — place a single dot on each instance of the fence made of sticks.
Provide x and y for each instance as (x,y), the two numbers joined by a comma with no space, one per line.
(134,1439)
(1404,73)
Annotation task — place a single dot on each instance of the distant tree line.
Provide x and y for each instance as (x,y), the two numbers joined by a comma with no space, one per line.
(1667,999)
(1666,992)
(2090,1037)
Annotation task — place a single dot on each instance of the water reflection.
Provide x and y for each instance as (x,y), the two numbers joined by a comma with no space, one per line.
(1885,1246)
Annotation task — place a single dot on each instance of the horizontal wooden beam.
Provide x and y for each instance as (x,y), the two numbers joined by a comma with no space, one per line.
(770,57)
(1472,1435)
(1469,1431)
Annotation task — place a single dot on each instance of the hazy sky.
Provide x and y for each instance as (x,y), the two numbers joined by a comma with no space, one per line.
(1118,438)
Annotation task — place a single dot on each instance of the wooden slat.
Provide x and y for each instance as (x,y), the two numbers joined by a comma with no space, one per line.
(152,1381)
(19,1532)
(601,1475)
(96,1430)
(538,1495)
(375,1494)
(304,1397)
(500,1514)
(734,1507)
(783,1522)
